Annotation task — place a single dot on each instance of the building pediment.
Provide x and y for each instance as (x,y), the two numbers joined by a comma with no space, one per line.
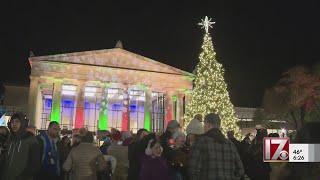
(113,58)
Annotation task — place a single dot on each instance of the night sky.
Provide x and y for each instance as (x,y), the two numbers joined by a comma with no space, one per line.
(255,40)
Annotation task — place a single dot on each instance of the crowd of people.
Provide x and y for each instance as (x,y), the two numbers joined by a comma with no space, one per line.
(203,153)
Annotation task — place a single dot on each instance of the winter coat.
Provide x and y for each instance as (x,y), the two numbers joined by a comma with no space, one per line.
(214,157)
(121,154)
(86,160)
(195,127)
(22,160)
(135,154)
(165,144)
(3,145)
(253,163)
(237,144)
(127,141)
(180,162)
(154,169)
(50,161)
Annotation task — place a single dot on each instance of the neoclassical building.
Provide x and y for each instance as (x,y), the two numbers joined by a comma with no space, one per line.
(103,89)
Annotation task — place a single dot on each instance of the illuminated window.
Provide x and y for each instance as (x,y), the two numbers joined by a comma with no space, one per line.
(68,106)
(47,93)
(115,99)
(158,111)
(92,107)
(137,100)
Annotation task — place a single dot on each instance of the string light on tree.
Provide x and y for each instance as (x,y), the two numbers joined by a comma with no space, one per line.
(210,91)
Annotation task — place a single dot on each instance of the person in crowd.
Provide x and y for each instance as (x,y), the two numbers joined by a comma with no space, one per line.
(258,128)
(274,165)
(49,146)
(253,163)
(166,139)
(190,140)
(22,159)
(195,126)
(230,135)
(136,151)
(212,151)
(86,159)
(154,167)
(32,129)
(76,140)
(64,148)
(4,136)
(245,143)
(178,167)
(194,129)
(246,139)
(120,152)
(308,134)
(106,143)
(273,135)
(116,134)
(127,138)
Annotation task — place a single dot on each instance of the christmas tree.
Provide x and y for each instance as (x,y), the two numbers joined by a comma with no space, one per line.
(210,93)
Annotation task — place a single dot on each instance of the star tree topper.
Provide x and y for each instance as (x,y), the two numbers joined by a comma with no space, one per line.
(206,23)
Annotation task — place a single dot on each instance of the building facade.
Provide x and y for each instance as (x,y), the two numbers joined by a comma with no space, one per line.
(104,89)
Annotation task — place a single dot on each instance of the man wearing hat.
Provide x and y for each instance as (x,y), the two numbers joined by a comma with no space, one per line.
(166,138)
(212,151)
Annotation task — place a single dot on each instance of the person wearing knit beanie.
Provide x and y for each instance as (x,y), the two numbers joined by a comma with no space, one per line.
(195,126)
(127,138)
(179,139)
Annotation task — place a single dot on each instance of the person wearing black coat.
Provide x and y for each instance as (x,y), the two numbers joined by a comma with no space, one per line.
(22,157)
(136,152)
(253,163)
(4,136)
(166,139)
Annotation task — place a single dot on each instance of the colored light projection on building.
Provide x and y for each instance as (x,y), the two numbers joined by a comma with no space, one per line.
(103,118)
(55,111)
(79,122)
(115,118)
(169,108)
(125,109)
(147,110)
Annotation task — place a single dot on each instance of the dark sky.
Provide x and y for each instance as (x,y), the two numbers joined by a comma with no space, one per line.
(254,40)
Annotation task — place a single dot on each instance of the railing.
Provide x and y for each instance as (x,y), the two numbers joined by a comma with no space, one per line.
(12,109)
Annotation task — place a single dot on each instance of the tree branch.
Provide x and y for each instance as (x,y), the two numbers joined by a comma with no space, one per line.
(294,118)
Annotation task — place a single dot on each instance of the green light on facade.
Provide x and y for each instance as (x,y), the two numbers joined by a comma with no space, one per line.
(103,118)
(55,112)
(103,121)
(147,111)
(147,119)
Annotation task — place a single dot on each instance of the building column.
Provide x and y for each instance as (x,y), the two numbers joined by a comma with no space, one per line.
(169,107)
(126,109)
(56,102)
(39,107)
(148,109)
(79,119)
(103,118)
(174,107)
(180,115)
(32,100)
(187,97)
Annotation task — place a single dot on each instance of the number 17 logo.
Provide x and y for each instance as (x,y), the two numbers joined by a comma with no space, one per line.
(276,149)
